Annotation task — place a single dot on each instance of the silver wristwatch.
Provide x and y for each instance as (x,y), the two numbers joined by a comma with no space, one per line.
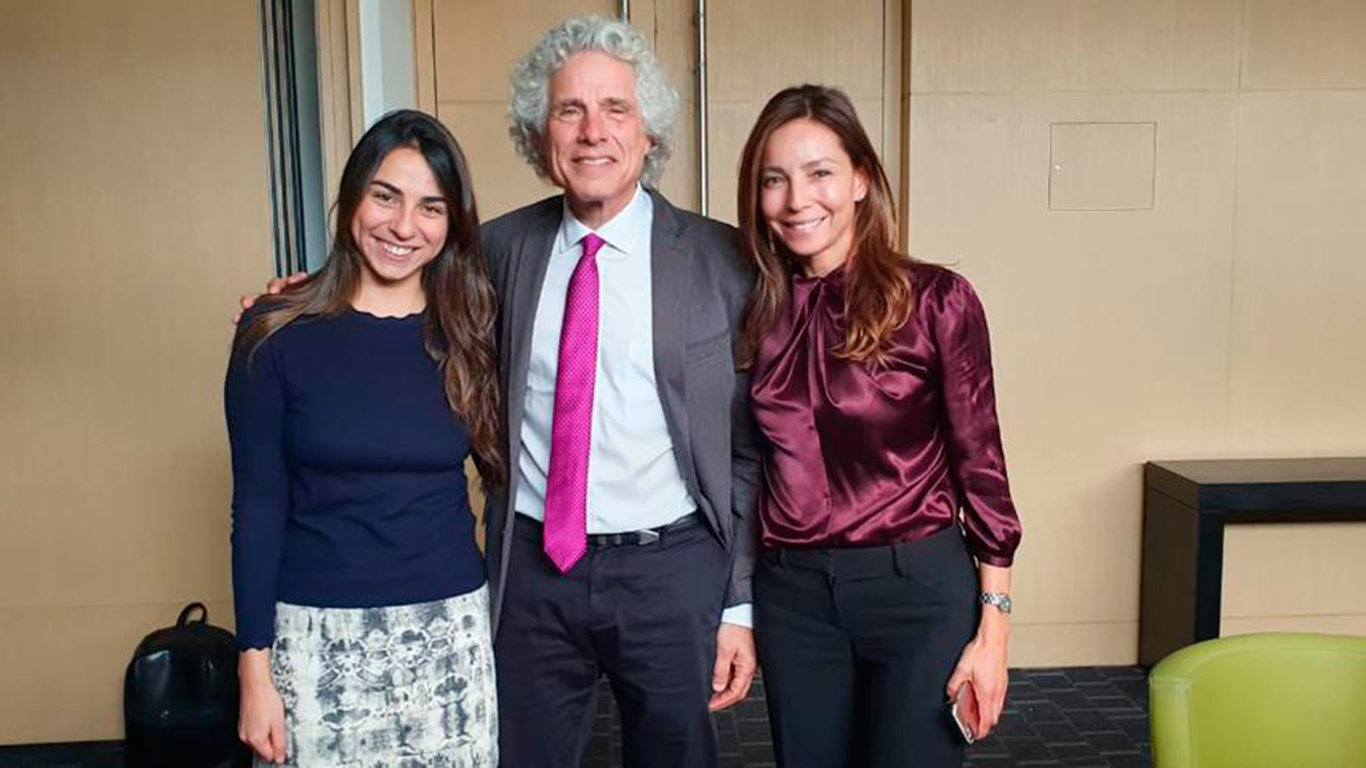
(1000,600)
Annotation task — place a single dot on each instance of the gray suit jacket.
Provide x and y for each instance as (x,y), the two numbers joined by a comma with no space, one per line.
(700,285)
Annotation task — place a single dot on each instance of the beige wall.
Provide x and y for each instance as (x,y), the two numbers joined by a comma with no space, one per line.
(340,102)
(758,47)
(475,43)
(134,212)
(473,46)
(1219,314)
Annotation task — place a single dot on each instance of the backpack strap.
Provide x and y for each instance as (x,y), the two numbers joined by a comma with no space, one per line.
(185,614)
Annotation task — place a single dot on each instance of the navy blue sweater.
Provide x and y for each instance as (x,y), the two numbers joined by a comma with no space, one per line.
(348,473)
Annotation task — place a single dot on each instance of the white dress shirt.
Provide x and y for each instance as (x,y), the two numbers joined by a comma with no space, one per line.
(633,477)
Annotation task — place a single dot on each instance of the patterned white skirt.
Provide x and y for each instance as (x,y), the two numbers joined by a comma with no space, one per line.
(409,685)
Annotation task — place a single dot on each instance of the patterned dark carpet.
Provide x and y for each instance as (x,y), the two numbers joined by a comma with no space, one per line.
(1082,716)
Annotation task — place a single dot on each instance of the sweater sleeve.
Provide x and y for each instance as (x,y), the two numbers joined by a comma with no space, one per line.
(974,435)
(255,405)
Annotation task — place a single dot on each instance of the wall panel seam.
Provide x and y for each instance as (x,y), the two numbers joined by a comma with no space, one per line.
(176,604)
(1096,623)
(1247,616)
(1234,218)
(1092,92)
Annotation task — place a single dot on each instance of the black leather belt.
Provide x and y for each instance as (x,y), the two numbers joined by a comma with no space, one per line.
(638,538)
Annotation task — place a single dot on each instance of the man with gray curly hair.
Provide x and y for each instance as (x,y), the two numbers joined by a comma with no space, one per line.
(529,103)
(624,541)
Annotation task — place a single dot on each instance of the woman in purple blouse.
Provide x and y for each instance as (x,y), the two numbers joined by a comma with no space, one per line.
(882,588)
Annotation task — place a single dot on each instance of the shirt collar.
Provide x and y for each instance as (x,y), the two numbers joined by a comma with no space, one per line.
(626,233)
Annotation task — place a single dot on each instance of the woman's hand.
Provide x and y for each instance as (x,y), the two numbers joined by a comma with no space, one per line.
(983,662)
(261,720)
(273,286)
(983,665)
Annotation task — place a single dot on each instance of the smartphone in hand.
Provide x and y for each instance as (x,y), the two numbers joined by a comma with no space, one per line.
(964,711)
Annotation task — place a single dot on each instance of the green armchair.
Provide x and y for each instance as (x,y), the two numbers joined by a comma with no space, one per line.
(1261,700)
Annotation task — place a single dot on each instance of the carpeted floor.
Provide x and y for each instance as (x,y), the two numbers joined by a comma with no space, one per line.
(1082,716)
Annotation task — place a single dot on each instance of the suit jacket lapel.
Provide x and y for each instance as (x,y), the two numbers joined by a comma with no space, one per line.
(671,285)
(532,256)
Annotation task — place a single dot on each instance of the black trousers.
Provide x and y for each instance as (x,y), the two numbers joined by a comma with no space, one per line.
(856,646)
(644,615)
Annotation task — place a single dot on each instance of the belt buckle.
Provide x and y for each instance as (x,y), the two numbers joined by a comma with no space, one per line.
(647,537)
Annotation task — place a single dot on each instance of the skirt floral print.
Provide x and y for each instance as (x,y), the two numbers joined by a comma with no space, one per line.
(407,686)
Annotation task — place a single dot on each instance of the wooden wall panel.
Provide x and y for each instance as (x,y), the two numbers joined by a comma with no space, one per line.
(340,105)
(1297,369)
(672,30)
(1304,44)
(679,184)
(69,686)
(1008,46)
(1278,575)
(502,179)
(757,48)
(1329,624)
(134,131)
(476,43)
(424,55)
(1221,322)
(1074,643)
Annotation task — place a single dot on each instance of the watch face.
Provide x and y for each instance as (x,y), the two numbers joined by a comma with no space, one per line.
(1001,601)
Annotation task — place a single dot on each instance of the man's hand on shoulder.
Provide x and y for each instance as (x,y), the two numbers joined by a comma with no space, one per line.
(273,286)
(735,666)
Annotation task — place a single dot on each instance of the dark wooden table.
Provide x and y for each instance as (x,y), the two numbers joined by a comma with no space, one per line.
(1186,505)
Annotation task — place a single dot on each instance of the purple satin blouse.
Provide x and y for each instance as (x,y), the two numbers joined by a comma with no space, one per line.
(865,457)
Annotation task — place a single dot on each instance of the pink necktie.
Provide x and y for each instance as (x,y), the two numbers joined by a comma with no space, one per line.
(571,431)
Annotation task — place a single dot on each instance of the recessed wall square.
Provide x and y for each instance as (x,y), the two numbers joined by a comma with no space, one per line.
(1102,166)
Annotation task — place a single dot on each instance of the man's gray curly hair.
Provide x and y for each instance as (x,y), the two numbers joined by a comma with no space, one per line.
(529,104)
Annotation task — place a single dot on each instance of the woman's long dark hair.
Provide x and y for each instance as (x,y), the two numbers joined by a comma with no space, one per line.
(878,295)
(459,323)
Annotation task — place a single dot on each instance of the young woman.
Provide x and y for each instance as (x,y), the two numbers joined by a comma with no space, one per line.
(885,480)
(353,400)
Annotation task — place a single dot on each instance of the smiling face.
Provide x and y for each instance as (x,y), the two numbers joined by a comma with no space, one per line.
(400,225)
(595,139)
(809,190)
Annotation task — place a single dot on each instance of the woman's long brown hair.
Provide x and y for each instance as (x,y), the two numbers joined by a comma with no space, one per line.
(458,328)
(878,295)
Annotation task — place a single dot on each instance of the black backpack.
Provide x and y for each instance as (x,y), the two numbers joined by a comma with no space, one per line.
(180,697)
